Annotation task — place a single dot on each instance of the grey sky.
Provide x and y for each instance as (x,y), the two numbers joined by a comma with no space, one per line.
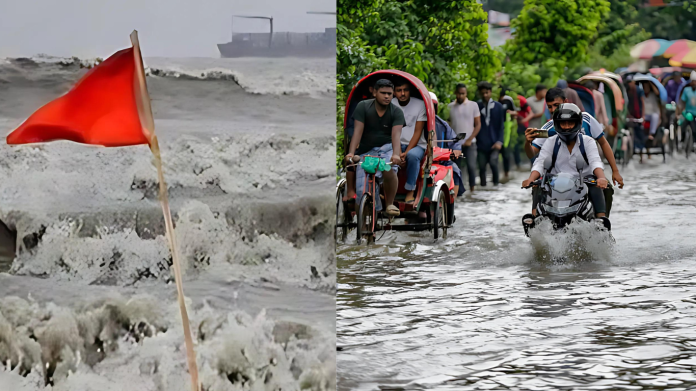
(167,28)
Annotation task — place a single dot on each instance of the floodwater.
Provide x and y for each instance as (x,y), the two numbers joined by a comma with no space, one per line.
(487,309)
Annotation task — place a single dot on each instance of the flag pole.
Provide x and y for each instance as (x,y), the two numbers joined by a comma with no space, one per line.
(145,111)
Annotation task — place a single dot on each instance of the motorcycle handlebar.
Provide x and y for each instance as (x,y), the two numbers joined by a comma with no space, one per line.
(589,181)
(534,183)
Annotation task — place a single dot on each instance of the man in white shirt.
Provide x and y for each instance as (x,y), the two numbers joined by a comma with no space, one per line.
(465,117)
(413,143)
(568,121)
(555,97)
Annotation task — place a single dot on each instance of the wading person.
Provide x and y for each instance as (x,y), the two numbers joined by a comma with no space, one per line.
(465,118)
(489,140)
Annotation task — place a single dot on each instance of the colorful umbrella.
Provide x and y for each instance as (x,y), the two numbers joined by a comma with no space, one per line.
(686,58)
(650,48)
(678,46)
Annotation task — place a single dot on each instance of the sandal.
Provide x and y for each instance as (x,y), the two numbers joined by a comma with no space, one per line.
(392,211)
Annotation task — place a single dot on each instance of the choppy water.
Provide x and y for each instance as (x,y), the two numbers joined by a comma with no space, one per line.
(485,310)
(87,300)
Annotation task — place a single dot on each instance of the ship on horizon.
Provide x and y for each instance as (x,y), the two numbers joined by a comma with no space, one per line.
(280,44)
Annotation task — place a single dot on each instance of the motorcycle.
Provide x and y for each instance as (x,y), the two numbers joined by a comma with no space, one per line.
(564,197)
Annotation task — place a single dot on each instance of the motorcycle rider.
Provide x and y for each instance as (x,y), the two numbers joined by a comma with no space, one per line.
(554,98)
(564,148)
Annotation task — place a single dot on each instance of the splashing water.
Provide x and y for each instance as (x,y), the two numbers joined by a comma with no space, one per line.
(580,241)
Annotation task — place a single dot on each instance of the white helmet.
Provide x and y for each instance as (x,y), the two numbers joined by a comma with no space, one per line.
(693,76)
(433,97)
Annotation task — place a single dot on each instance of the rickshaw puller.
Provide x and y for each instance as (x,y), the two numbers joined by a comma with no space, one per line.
(380,122)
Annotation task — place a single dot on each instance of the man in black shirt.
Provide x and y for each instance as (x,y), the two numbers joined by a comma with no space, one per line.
(377,132)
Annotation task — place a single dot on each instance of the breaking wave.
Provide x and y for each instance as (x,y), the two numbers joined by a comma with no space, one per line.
(109,343)
(288,76)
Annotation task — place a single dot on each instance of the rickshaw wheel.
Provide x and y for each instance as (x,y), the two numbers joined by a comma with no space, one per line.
(440,216)
(341,216)
(365,219)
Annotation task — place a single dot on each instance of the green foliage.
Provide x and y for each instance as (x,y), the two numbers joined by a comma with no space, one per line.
(441,43)
(544,52)
(674,22)
(556,29)
(671,23)
(522,78)
(612,51)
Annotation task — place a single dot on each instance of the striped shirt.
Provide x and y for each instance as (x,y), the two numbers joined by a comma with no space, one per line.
(590,126)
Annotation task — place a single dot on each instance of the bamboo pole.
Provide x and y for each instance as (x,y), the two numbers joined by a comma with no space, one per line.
(145,112)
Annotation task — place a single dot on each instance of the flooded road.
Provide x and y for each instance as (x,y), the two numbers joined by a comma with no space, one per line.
(484,310)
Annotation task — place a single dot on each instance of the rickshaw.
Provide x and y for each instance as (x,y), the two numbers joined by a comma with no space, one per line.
(585,95)
(661,135)
(614,76)
(614,102)
(433,208)
(619,81)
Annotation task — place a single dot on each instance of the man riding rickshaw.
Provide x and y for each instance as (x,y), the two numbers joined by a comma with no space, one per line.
(379,178)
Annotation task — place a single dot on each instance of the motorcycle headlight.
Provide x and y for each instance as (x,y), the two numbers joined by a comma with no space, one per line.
(560,211)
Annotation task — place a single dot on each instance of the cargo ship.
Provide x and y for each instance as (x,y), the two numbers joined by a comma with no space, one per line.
(280,44)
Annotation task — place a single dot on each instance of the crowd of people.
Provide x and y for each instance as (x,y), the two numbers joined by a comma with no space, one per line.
(495,130)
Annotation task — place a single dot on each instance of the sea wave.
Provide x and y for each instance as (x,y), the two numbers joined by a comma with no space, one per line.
(287,76)
(232,205)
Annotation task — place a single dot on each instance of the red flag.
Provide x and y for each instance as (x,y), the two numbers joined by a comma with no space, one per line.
(101,109)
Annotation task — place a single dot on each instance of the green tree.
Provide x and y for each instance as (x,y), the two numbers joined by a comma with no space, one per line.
(675,22)
(441,43)
(562,30)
